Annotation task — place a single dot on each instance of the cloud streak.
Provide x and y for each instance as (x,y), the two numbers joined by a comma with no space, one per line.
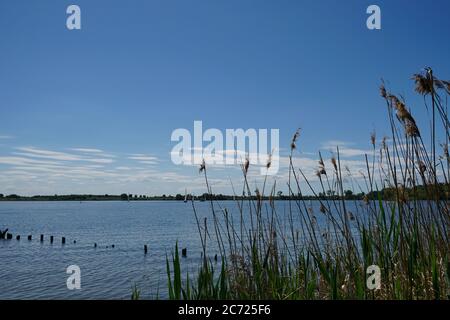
(36,170)
(56,155)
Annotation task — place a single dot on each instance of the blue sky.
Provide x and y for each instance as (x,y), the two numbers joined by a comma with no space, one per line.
(92,110)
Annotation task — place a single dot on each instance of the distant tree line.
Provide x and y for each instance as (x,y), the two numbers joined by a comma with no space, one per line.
(418,193)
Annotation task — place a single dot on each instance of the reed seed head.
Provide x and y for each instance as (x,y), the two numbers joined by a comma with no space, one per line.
(269,161)
(422,167)
(412,130)
(246,165)
(322,208)
(321,163)
(294,139)
(321,168)
(403,113)
(350,215)
(333,161)
(383,143)
(383,92)
(366,199)
(202,166)
(424,85)
(258,194)
(373,138)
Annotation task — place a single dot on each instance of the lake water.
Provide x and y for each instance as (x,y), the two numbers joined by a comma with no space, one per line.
(37,270)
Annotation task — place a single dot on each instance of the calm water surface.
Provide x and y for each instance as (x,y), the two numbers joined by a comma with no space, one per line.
(37,270)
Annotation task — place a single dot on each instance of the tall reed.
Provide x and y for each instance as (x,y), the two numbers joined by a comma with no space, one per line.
(265,257)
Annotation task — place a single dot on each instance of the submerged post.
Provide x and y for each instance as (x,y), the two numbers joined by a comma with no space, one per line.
(29,237)
(95,245)
(42,238)
(145,249)
(3,234)
(63,240)
(9,236)
(17,237)
(184,252)
(51,239)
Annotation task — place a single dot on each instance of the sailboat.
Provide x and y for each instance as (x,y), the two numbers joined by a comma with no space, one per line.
(185,195)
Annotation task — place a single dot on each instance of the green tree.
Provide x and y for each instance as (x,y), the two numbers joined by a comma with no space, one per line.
(348,194)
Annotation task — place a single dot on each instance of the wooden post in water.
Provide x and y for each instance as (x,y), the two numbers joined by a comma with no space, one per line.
(42,238)
(63,240)
(8,236)
(51,239)
(95,245)
(29,237)
(17,237)
(3,234)
(145,249)
(184,252)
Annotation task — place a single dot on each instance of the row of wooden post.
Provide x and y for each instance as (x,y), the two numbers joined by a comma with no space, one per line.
(9,236)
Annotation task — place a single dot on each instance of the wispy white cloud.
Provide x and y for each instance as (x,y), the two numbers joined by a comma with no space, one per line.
(36,170)
(87,150)
(25,161)
(346,148)
(56,155)
(142,157)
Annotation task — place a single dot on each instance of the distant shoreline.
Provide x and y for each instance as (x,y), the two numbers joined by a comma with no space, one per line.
(177,197)
(205,197)
(387,194)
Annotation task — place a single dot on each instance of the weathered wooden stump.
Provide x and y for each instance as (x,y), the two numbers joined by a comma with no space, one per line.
(145,249)
(29,237)
(184,252)
(3,234)
(8,236)
(51,239)
(42,238)
(63,240)
(17,237)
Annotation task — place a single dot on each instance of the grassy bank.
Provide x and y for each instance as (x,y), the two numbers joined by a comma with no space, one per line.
(407,238)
